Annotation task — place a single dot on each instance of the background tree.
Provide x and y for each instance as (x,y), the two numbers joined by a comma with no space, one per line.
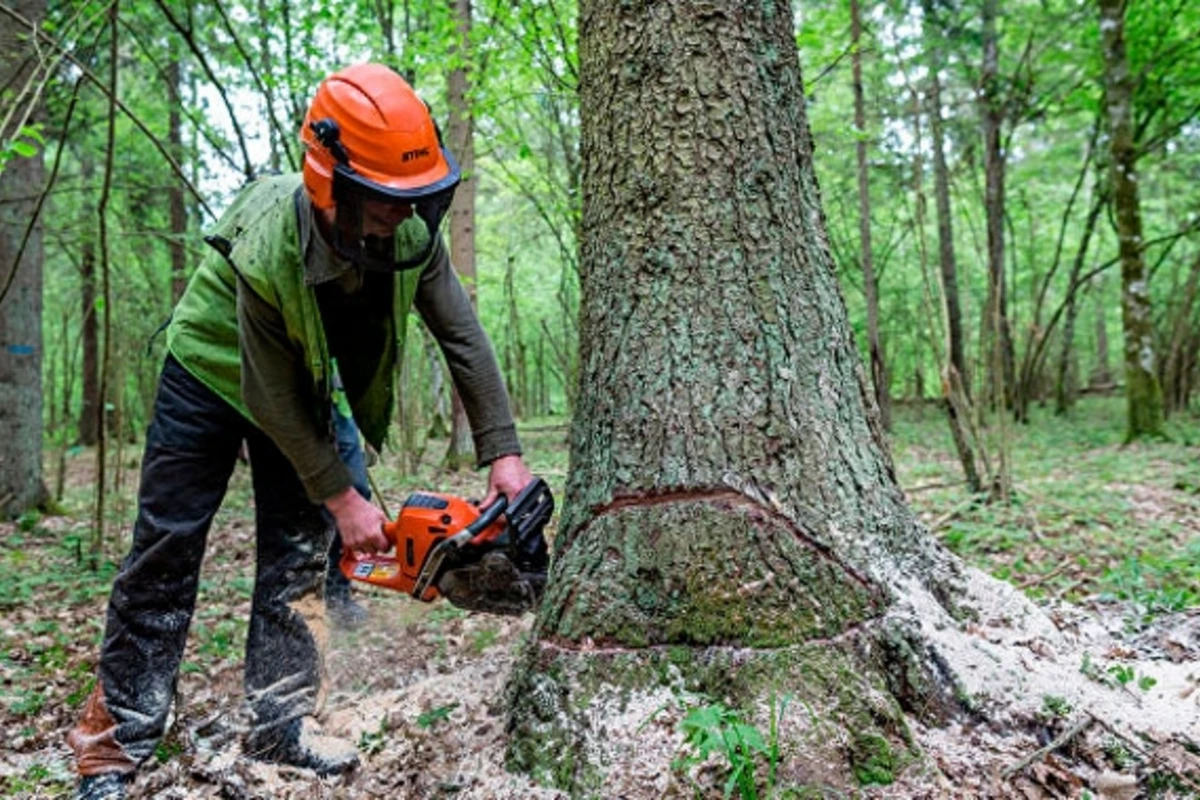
(1142,391)
(24,72)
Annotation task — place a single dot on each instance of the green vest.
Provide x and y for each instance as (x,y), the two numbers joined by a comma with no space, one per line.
(258,240)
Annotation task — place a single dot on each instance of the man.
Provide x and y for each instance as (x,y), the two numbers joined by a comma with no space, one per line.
(308,280)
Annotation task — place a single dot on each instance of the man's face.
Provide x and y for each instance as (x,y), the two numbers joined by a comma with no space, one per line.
(381,219)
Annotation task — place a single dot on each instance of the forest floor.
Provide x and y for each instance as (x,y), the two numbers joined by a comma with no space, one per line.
(1113,529)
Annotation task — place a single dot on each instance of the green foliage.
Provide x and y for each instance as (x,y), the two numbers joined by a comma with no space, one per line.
(1055,707)
(430,718)
(717,730)
(372,742)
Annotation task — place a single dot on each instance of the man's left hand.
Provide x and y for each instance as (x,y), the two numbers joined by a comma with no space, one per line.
(508,476)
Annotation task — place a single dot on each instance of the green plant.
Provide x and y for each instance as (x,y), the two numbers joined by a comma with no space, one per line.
(1122,673)
(427,719)
(717,729)
(371,742)
(1146,683)
(1055,707)
(484,638)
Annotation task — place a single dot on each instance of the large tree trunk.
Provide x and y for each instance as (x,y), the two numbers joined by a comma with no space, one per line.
(460,453)
(732,521)
(21,484)
(879,378)
(1143,394)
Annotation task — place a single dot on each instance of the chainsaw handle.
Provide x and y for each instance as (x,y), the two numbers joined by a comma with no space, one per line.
(489,515)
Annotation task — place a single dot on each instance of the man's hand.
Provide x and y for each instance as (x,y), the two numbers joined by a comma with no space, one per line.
(508,476)
(359,522)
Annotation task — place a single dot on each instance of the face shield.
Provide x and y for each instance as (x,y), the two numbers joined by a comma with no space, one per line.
(383,228)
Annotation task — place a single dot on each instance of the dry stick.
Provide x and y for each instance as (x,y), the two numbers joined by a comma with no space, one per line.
(1062,739)
(103,87)
(1148,754)
(1036,580)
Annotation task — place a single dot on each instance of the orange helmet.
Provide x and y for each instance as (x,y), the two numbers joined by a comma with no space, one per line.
(374,155)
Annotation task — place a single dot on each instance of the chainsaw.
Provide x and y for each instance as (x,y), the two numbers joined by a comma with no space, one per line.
(491,559)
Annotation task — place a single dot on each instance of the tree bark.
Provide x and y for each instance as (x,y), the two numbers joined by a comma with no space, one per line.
(89,411)
(460,453)
(21,485)
(1101,374)
(732,522)
(879,377)
(1143,395)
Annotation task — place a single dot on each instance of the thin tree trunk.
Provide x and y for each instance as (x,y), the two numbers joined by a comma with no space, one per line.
(998,347)
(175,193)
(1101,374)
(461,131)
(98,518)
(1143,395)
(90,409)
(953,393)
(941,179)
(879,377)
(1176,369)
(21,254)
(1062,400)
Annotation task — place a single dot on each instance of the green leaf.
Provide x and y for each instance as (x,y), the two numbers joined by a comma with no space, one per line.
(24,149)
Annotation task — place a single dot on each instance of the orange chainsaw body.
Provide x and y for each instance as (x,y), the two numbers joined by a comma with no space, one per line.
(426,520)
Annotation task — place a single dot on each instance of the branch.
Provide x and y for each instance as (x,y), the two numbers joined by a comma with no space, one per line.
(37,209)
(284,139)
(186,33)
(103,87)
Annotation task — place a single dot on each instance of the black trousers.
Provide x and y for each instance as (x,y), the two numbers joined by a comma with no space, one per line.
(191,451)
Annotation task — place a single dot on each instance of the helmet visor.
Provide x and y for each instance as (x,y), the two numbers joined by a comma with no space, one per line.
(384,228)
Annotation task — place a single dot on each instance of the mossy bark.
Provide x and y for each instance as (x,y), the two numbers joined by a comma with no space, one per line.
(732,526)
(1143,393)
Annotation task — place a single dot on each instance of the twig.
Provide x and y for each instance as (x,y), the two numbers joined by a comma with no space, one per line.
(1064,737)
(1035,580)
(1148,754)
(928,486)
(941,521)
(103,87)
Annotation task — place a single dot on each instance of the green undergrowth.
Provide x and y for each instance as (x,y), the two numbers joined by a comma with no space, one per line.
(1091,520)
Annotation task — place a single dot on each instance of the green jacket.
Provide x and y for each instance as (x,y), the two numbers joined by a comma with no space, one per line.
(257,241)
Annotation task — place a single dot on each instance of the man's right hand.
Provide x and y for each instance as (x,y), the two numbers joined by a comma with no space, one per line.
(359,522)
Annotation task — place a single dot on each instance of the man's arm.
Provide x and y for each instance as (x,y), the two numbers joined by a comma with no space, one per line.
(277,390)
(447,312)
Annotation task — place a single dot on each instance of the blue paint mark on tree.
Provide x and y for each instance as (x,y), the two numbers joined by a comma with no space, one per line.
(20,349)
